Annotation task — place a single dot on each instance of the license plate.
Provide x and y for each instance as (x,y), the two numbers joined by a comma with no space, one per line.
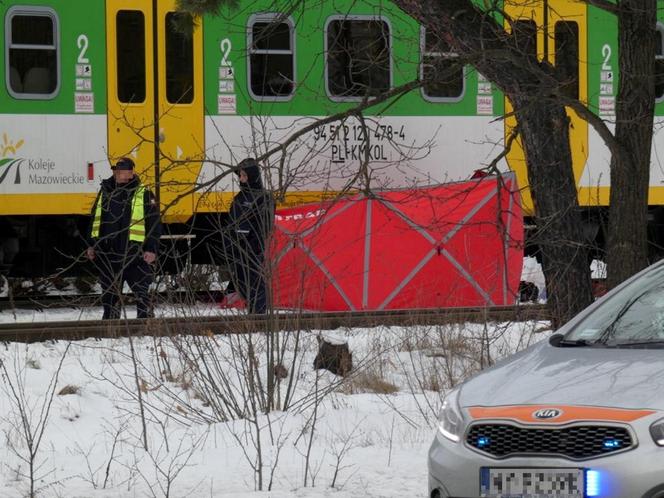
(531,483)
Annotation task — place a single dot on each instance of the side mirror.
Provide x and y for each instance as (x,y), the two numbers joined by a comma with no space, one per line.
(555,339)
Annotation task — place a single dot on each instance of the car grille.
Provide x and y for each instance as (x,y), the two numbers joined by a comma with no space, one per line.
(577,442)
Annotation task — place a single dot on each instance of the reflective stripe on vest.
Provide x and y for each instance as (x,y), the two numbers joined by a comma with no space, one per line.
(96,223)
(137,224)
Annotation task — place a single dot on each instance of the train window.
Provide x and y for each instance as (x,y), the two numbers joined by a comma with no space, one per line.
(525,37)
(659,64)
(130,36)
(358,58)
(271,57)
(442,74)
(179,62)
(567,57)
(33,56)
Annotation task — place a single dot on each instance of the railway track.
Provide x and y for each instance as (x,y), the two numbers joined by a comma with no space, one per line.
(77,330)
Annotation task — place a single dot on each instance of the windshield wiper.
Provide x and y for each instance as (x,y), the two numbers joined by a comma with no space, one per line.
(580,343)
(558,340)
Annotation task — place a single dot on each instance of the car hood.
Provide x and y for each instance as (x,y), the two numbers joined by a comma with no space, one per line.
(548,375)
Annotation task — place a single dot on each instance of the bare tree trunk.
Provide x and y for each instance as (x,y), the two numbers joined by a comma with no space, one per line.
(627,250)
(557,214)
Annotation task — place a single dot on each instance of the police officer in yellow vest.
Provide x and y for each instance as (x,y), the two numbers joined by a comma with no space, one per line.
(124,238)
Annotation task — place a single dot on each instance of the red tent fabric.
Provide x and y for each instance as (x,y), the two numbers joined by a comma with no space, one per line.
(458,244)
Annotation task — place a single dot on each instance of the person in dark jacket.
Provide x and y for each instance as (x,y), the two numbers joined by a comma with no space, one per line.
(251,220)
(124,238)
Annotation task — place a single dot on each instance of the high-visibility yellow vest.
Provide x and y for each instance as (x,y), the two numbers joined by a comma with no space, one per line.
(137,224)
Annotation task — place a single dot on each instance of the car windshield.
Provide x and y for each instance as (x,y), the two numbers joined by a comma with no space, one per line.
(634,316)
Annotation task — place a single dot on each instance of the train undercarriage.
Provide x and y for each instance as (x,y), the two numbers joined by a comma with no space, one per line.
(43,246)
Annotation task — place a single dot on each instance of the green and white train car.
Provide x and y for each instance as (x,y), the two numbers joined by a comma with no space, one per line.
(88,81)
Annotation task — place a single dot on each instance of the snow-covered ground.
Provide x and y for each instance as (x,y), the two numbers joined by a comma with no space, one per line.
(183,417)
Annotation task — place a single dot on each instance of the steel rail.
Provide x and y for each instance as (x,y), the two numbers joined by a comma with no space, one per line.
(237,324)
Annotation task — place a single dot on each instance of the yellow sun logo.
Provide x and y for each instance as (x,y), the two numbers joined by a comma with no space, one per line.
(8,147)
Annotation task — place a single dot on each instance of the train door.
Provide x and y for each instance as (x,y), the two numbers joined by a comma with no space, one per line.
(155,99)
(555,30)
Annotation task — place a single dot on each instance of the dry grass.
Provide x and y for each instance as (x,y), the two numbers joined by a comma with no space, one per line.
(432,382)
(367,381)
(439,340)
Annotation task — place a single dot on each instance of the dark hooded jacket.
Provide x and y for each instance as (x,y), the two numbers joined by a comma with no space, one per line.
(252,210)
(116,219)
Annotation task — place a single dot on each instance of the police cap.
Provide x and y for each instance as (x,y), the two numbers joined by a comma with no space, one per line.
(124,163)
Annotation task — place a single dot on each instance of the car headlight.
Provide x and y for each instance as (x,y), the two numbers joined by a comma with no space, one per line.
(451,423)
(657,432)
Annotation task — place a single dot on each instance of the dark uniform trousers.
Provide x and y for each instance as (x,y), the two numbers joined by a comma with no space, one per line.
(246,261)
(113,272)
